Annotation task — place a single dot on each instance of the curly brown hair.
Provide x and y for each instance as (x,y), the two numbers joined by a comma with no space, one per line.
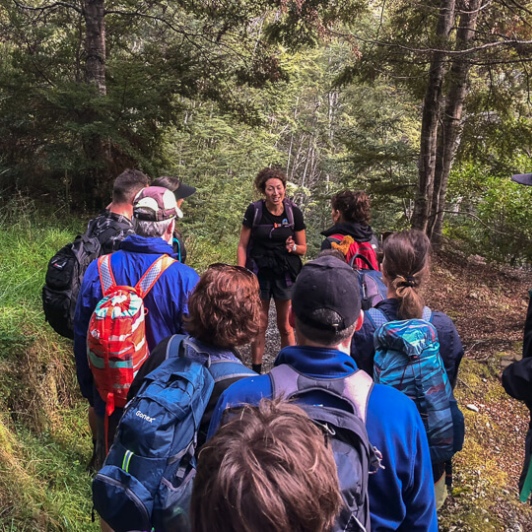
(269,173)
(267,470)
(224,308)
(353,206)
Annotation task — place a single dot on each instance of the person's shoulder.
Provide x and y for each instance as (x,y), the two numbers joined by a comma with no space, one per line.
(247,390)
(390,406)
(183,270)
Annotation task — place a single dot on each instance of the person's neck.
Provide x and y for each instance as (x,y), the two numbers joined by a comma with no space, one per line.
(276,210)
(344,347)
(123,209)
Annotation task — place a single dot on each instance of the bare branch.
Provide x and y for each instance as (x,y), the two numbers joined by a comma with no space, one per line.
(48,7)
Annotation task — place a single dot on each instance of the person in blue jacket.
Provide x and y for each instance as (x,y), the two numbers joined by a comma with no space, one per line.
(326,312)
(405,270)
(154,213)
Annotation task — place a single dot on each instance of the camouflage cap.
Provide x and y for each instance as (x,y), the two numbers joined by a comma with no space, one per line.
(155,204)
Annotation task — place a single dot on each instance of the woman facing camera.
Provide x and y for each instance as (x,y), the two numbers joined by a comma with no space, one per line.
(272,240)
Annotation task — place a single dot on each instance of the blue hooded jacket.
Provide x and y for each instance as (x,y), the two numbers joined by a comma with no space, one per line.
(402,494)
(166,302)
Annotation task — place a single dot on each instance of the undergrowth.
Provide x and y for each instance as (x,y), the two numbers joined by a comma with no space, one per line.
(45,441)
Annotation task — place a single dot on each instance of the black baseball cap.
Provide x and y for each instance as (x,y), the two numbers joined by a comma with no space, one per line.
(327,283)
(184,191)
(524,179)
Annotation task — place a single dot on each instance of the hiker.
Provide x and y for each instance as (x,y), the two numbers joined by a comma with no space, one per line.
(272,240)
(351,232)
(223,314)
(326,312)
(517,379)
(405,269)
(269,469)
(115,223)
(67,267)
(181,192)
(154,213)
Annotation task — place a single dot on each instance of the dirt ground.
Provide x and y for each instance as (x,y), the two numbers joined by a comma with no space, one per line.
(488,305)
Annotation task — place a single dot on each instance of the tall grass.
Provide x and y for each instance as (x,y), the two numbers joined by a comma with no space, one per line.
(44,437)
(45,442)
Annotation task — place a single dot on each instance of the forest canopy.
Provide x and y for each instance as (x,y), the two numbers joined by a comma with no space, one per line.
(424,105)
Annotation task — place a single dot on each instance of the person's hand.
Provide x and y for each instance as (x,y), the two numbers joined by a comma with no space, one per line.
(291,246)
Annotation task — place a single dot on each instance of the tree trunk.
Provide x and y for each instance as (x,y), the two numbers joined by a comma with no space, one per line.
(94,12)
(94,146)
(449,137)
(432,106)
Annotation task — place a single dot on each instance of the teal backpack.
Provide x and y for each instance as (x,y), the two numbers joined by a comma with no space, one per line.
(407,357)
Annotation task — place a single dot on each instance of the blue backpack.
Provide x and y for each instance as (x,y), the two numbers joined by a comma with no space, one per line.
(407,357)
(146,481)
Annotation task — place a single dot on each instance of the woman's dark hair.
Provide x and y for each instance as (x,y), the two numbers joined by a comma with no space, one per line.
(224,308)
(166,181)
(267,470)
(269,173)
(353,206)
(406,266)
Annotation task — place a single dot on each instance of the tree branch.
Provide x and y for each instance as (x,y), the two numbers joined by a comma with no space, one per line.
(47,7)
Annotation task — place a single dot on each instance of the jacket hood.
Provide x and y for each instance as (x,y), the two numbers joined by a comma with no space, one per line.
(359,232)
(147,244)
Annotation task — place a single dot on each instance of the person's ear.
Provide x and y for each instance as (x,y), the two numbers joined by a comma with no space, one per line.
(291,317)
(170,229)
(360,321)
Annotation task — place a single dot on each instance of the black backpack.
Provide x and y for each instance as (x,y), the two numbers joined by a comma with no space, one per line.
(63,280)
(346,429)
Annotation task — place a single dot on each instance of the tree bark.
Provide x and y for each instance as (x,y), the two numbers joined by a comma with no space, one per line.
(448,140)
(94,13)
(432,106)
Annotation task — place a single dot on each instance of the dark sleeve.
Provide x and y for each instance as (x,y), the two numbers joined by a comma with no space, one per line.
(156,358)
(218,389)
(362,347)
(299,222)
(451,349)
(517,379)
(248,216)
(527,337)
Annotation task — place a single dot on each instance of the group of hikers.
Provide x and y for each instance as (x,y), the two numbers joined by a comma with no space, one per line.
(353,428)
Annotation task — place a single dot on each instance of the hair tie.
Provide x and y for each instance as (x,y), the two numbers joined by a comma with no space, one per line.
(410,281)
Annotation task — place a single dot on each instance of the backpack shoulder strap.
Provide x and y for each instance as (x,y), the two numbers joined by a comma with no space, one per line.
(107,278)
(152,274)
(363,258)
(376,317)
(258,214)
(289,208)
(355,389)
(358,386)
(225,369)
(173,347)
(427,314)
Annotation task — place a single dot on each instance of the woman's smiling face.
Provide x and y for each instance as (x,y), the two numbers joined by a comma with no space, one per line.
(274,190)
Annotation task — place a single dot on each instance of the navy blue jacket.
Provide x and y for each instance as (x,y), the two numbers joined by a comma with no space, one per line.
(451,350)
(402,494)
(166,302)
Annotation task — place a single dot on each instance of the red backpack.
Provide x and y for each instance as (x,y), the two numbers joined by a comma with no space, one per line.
(116,337)
(359,255)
